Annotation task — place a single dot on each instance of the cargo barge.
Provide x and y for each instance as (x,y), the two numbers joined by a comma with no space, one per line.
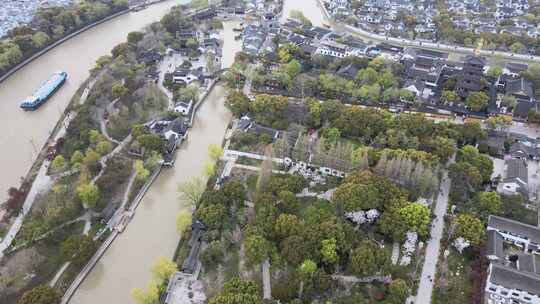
(47,89)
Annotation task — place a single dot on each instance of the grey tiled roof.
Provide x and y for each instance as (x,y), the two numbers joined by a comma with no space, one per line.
(528,263)
(515,279)
(530,232)
(494,245)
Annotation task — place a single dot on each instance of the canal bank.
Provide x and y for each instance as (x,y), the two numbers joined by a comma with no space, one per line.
(24,133)
(152,231)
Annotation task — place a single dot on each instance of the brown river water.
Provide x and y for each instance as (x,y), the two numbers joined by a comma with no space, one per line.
(152,232)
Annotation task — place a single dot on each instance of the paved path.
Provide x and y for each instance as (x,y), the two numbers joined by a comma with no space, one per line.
(267,289)
(104,159)
(355,279)
(425,288)
(41,182)
(59,273)
(395,253)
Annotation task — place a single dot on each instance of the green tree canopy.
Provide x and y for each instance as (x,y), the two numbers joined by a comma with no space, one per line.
(257,249)
(489,202)
(238,291)
(470,228)
(368,259)
(78,249)
(416,216)
(163,269)
(42,294)
(477,101)
(89,195)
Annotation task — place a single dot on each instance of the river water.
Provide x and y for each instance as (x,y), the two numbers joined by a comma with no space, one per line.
(23,133)
(152,232)
(310,9)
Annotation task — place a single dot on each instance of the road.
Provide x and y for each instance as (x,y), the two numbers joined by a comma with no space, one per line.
(429,269)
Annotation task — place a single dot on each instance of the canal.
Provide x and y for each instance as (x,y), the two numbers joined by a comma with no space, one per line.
(24,133)
(152,232)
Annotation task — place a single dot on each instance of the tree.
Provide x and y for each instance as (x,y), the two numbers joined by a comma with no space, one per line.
(163,269)
(103,147)
(141,171)
(78,249)
(135,37)
(151,142)
(494,71)
(257,249)
(215,152)
(416,216)
(119,90)
(293,68)
(329,251)
(102,61)
(307,269)
(367,76)
(444,148)
(368,259)
(238,291)
(449,96)
(58,163)
(213,254)
(150,296)
(489,202)
(88,194)
(351,197)
(120,49)
(91,159)
(509,101)
(470,228)
(269,109)
(138,130)
(287,225)
(406,95)
(40,39)
(294,249)
(77,157)
(499,122)
(517,47)
(238,103)
(183,220)
(191,191)
(397,291)
(477,101)
(15,200)
(212,216)
(235,192)
(42,294)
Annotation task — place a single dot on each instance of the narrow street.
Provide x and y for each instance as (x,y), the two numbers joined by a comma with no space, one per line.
(429,269)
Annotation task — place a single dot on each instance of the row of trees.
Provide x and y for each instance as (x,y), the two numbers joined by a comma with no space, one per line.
(447,32)
(51,24)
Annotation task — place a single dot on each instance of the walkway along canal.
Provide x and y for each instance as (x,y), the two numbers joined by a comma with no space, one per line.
(24,133)
(152,231)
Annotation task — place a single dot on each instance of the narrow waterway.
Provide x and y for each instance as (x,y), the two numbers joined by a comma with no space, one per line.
(152,232)
(24,133)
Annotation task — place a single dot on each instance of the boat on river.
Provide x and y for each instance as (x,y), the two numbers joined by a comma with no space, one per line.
(45,91)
